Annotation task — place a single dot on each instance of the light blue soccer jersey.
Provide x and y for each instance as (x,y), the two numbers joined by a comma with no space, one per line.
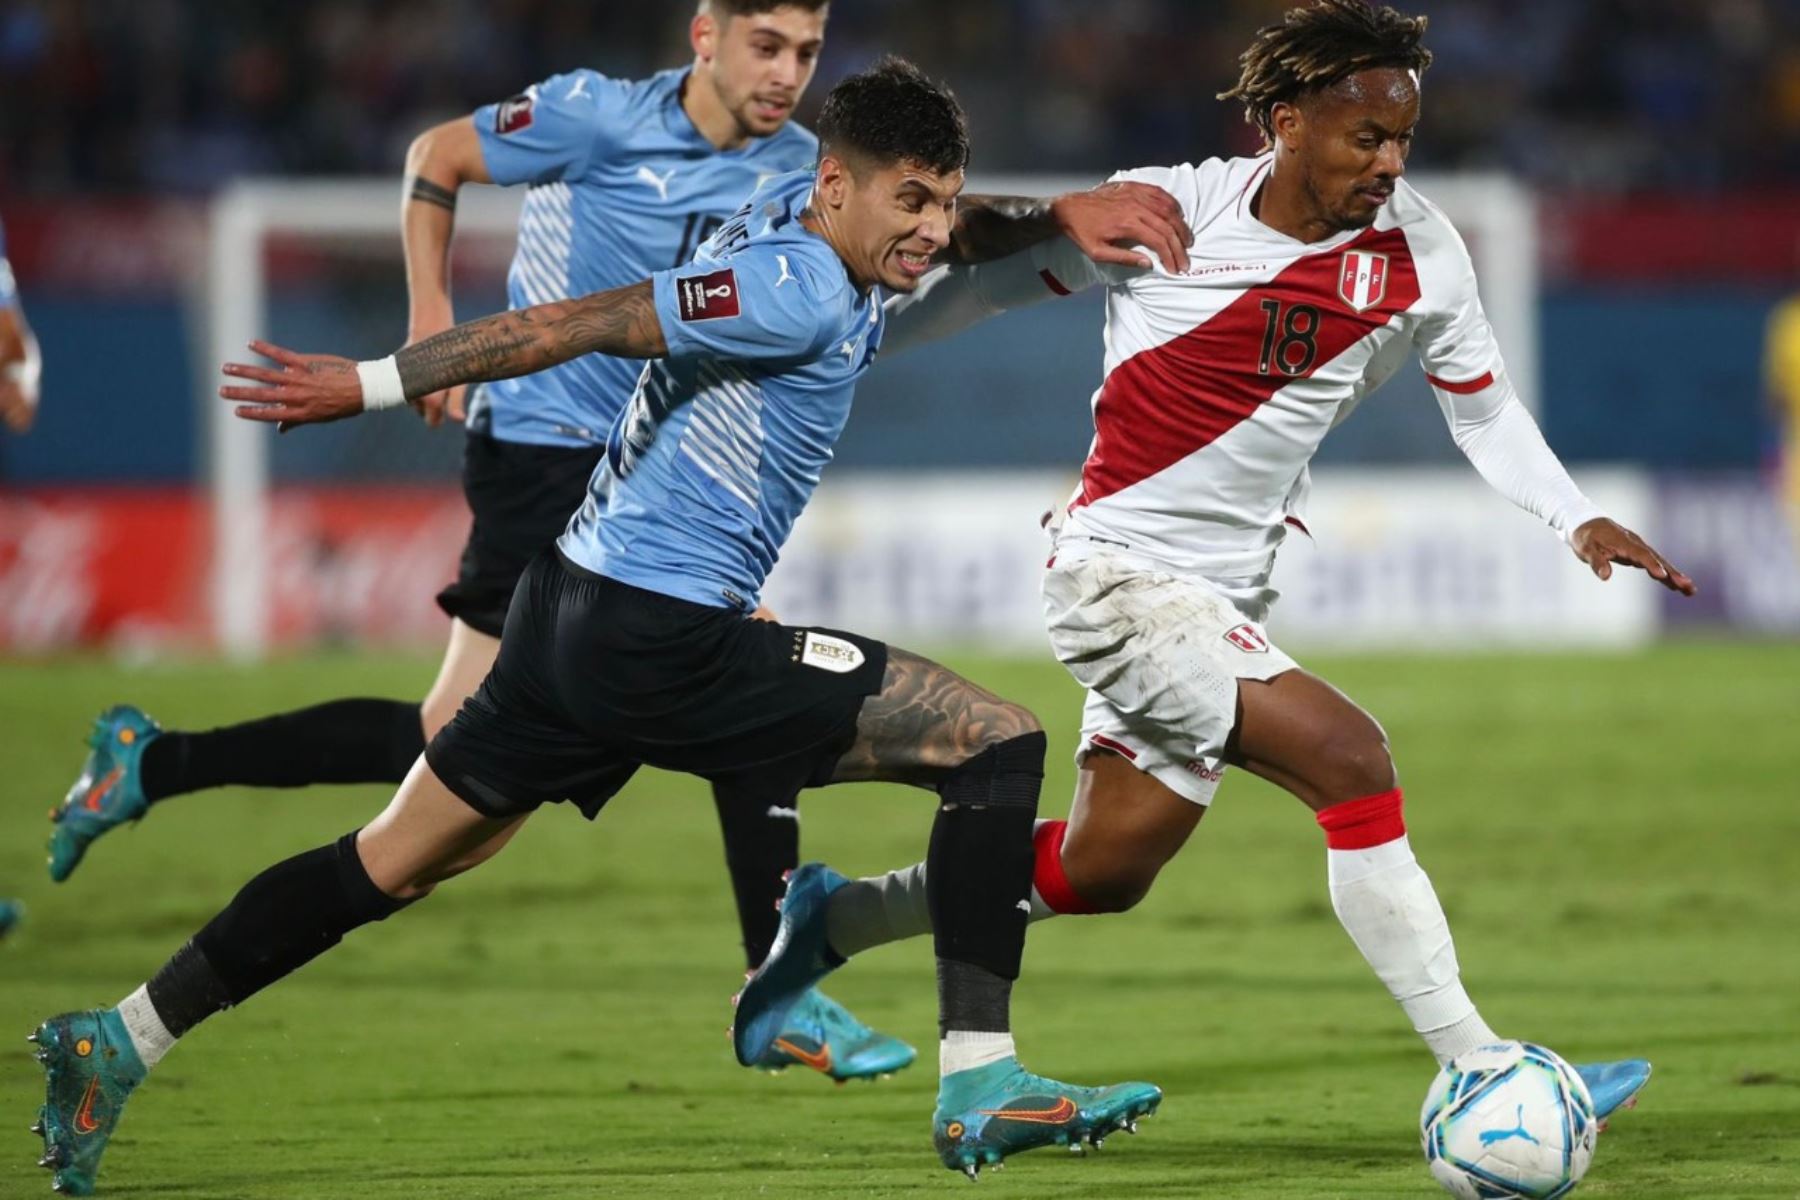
(9,290)
(621,185)
(725,438)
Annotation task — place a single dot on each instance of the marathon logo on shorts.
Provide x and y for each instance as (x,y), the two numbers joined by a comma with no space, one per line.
(510,116)
(708,297)
(1363,280)
(829,653)
(1248,639)
(1200,770)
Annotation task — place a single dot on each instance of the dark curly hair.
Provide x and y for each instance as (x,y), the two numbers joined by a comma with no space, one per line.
(744,8)
(1315,47)
(892,113)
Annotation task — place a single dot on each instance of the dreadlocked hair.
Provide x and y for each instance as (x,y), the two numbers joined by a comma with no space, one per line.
(1315,47)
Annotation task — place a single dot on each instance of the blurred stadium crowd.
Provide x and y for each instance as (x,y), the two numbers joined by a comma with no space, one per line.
(179,95)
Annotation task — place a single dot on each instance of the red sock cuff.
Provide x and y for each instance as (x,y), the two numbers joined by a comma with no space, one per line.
(1360,824)
(1047,876)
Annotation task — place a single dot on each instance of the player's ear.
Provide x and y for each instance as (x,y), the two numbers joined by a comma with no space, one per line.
(832,187)
(1289,122)
(703,35)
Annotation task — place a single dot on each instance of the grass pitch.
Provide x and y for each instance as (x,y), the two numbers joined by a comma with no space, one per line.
(1617,840)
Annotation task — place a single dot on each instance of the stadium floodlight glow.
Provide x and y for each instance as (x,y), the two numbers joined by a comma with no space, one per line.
(1495,214)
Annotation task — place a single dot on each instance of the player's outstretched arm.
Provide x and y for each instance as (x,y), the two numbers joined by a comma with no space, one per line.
(1104,222)
(1492,428)
(307,389)
(438,163)
(1601,542)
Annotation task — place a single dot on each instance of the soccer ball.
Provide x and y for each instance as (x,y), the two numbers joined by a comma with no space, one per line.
(1510,1121)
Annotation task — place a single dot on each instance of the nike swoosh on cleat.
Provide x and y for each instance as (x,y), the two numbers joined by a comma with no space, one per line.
(818,1060)
(99,790)
(84,1116)
(1061,1114)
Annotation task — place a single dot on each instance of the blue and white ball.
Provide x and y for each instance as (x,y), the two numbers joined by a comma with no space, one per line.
(1510,1121)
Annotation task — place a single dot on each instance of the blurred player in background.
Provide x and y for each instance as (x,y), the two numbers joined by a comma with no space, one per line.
(20,363)
(623,178)
(1314,272)
(631,641)
(20,367)
(1783,374)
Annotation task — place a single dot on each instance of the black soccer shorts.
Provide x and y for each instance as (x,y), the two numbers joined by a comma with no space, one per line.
(596,677)
(521,497)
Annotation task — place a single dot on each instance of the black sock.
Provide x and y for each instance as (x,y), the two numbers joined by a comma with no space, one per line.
(762,841)
(978,881)
(344,741)
(283,919)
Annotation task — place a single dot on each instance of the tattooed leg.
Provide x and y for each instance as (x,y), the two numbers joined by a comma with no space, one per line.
(926,722)
(985,758)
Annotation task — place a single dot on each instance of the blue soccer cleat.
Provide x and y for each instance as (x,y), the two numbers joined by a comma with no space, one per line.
(989,1112)
(108,791)
(11,913)
(90,1067)
(799,958)
(1614,1085)
(820,1033)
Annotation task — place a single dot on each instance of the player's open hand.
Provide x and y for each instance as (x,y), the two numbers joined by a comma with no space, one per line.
(1600,543)
(1107,221)
(301,389)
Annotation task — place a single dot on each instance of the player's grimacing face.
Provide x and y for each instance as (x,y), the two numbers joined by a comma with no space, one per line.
(1352,143)
(762,63)
(900,217)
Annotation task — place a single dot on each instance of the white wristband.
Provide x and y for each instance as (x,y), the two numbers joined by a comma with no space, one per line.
(381,386)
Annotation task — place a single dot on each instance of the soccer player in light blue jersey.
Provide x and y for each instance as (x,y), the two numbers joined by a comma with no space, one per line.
(622,178)
(631,641)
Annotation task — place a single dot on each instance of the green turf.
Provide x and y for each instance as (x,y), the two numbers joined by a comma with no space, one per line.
(1617,840)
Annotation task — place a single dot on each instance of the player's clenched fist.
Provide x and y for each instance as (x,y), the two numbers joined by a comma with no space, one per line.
(1600,543)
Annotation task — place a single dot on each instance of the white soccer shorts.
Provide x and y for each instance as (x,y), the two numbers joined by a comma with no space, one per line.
(1160,656)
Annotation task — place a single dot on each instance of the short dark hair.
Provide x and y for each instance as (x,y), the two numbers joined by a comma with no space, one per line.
(1315,47)
(745,8)
(893,113)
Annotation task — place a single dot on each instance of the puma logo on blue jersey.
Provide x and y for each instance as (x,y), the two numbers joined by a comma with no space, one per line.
(659,182)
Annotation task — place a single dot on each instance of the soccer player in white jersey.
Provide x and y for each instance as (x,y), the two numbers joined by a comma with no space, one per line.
(1314,271)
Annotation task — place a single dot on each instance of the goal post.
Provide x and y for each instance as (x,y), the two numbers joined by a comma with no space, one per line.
(1496,215)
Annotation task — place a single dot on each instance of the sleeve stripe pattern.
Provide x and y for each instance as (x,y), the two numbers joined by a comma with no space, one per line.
(1052,282)
(1486,380)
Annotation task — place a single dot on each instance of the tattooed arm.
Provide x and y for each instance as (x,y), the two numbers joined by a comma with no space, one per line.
(438,163)
(1102,222)
(306,389)
(621,322)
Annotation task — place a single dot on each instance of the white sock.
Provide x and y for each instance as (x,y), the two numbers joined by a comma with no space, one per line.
(964,1050)
(1387,905)
(149,1036)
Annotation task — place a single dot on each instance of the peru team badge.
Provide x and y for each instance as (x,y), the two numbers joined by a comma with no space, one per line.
(1362,282)
(1248,639)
